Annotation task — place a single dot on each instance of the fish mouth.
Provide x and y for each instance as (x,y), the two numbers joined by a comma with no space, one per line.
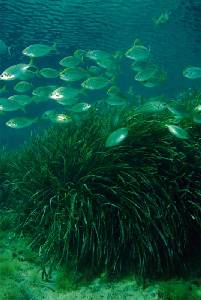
(56,96)
(6,77)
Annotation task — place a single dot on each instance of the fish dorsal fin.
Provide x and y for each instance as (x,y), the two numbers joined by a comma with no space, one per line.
(137,42)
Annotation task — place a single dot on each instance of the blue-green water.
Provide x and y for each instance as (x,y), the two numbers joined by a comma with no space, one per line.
(106,25)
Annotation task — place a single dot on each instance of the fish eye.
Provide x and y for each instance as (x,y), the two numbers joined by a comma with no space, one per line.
(57,95)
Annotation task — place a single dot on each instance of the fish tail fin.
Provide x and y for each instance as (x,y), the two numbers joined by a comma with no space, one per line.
(83,91)
(154,20)
(118,55)
(37,119)
(113,80)
(9,51)
(37,73)
(23,109)
(32,64)
(55,46)
(4,88)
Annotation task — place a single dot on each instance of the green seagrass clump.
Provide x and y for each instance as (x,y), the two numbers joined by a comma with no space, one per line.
(134,206)
(5,159)
(178,290)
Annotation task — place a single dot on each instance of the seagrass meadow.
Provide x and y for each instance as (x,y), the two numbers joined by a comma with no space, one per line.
(129,209)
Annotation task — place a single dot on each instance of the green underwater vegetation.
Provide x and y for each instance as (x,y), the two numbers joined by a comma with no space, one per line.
(134,207)
(4,171)
(178,290)
(10,286)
